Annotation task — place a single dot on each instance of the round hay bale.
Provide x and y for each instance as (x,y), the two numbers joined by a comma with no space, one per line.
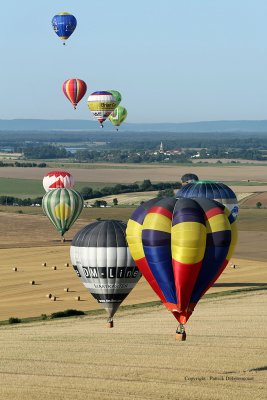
(54,268)
(66,289)
(53,298)
(15,269)
(78,298)
(32,282)
(44,264)
(67,265)
(49,295)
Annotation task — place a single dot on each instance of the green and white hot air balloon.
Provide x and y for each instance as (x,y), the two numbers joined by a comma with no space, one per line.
(62,207)
(118,116)
(116,95)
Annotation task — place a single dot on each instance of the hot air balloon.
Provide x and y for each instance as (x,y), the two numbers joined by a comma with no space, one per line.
(181,246)
(58,179)
(116,95)
(101,104)
(74,90)
(64,25)
(118,116)
(62,207)
(188,178)
(101,258)
(212,190)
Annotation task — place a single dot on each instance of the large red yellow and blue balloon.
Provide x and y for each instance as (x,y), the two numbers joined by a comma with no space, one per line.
(74,90)
(181,246)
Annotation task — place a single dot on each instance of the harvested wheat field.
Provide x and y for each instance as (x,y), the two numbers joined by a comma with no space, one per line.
(128,173)
(19,298)
(27,241)
(79,358)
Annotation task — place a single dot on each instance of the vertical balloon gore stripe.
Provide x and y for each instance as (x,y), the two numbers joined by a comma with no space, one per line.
(156,241)
(230,250)
(134,239)
(188,246)
(74,90)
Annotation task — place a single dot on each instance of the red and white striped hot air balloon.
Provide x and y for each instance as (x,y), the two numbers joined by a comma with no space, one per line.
(74,90)
(58,179)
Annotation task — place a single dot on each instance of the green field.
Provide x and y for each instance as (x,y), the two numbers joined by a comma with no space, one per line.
(24,188)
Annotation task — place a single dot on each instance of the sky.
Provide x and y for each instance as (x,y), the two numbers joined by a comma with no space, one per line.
(172,60)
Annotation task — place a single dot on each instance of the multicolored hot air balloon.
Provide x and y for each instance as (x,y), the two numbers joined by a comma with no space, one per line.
(188,178)
(74,90)
(118,116)
(181,246)
(101,104)
(58,179)
(64,25)
(116,95)
(62,207)
(211,190)
(101,258)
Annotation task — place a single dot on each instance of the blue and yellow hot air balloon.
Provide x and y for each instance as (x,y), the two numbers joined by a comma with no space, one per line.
(62,207)
(181,246)
(64,25)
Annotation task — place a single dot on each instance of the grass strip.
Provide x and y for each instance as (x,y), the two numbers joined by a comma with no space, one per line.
(131,307)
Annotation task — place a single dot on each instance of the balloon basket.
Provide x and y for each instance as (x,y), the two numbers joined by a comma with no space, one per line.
(110,324)
(180,337)
(62,239)
(180,334)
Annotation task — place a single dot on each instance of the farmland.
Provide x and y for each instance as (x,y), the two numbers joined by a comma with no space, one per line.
(128,173)
(139,358)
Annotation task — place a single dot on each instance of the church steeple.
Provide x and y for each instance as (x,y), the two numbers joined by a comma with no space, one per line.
(161,150)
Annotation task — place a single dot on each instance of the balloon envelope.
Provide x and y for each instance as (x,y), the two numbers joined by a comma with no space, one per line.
(64,25)
(188,178)
(181,246)
(211,190)
(118,116)
(62,207)
(74,90)
(101,104)
(116,95)
(58,179)
(101,258)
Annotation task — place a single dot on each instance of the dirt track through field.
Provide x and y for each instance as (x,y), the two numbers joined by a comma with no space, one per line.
(223,357)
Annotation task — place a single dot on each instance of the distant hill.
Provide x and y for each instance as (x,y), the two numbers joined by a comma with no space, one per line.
(88,125)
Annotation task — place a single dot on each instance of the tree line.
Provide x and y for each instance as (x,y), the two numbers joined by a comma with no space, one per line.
(23,164)
(164,188)
(146,186)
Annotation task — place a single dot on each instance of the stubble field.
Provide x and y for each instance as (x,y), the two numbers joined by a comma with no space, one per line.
(223,357)
(127,173)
